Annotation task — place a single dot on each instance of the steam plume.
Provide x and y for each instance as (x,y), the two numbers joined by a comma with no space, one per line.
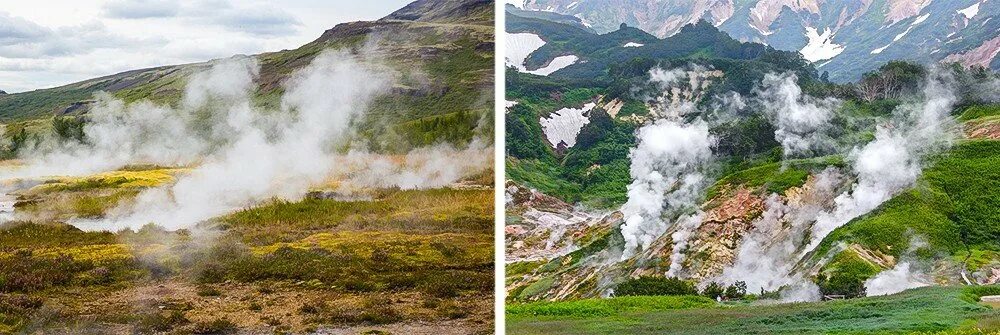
(668,173)
(266,155)
(801,120)
(428,167)
(892,162)
(900,278)
(767,255)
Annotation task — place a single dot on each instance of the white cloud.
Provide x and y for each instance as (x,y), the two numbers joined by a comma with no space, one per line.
(16,29)
(259,20)
(48,43)
(140,9)
(68,40)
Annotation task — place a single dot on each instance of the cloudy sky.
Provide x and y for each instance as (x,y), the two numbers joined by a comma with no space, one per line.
(48,43)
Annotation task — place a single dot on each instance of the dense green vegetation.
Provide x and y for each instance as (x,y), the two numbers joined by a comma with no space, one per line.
(660,286)
(931,309)
(655,285)
(775,177)
(952,209)
(979,111)
(845,275)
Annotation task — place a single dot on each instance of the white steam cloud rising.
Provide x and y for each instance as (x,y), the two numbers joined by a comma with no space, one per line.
(668,172)
(241,154)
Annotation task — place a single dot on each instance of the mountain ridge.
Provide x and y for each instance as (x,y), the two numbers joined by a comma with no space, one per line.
(845,38)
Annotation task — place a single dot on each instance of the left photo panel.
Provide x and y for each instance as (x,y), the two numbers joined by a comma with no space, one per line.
(247,167)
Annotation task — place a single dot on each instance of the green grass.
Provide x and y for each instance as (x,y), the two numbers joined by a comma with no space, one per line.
(774,177)
(18,235)
(589,308)
(522,268)
(423,211)
(979,111)
(543,177)
(40,103)
(955,204)
(929,309)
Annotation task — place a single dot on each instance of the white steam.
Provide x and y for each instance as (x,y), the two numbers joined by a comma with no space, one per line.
(904,276)
(278,154)
(422,168)
(790,228)
(892,162)
(800,290)
(686,226)
(900,278)
(668,169)
(216,107)
(801,120)
(667,177)
(767,254)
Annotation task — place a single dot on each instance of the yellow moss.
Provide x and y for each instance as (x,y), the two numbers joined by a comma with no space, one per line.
(97,253)
(410,248)
(113,179)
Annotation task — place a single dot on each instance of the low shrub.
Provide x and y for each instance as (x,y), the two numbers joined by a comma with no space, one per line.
(216,326)
(651,285)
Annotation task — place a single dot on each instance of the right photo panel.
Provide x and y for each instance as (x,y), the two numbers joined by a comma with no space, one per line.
(752,167)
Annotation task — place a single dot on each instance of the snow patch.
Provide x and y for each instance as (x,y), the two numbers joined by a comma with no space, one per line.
(572,5)
(762,32)
(633,45)
(517,3)
(555,65)
(970,11)
(820,46)
(919,20)
(564,125)
(508,104)
(519,46)
(879,50)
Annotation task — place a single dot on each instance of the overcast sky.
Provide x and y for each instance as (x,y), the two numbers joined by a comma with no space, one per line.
(48,43)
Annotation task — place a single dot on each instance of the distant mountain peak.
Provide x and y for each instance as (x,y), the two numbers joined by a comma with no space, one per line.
(846,38)
(444,11)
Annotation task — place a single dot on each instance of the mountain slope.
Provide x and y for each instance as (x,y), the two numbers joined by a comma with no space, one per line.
(596,53)
(452,41)
(446,11)
(845,38)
